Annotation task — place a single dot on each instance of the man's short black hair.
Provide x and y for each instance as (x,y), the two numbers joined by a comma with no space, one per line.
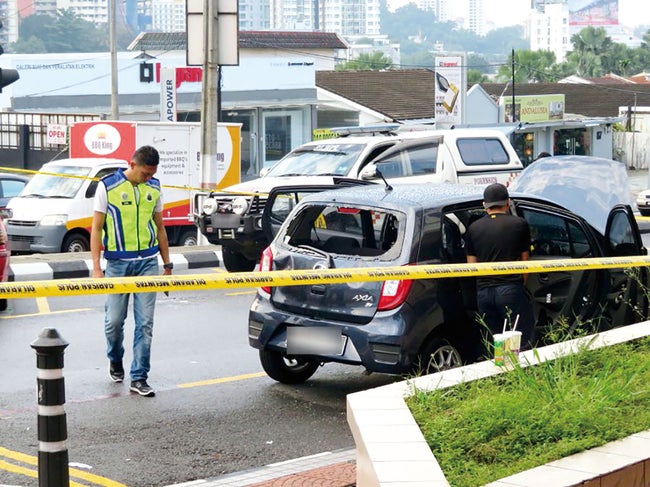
(146,155)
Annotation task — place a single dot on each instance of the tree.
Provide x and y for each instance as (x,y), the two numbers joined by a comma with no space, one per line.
(65,32)
(530,67)
(366,62)
(591,46)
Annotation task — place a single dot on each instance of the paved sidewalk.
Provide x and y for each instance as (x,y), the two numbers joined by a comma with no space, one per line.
(329,469)
(35,267)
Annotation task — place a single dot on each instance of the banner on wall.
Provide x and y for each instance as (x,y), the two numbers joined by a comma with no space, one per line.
(533,108)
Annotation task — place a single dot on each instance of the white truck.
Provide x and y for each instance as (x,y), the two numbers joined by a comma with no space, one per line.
(232,217)
(53,213)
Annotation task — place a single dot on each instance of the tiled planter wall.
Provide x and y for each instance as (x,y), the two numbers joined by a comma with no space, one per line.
(391,451)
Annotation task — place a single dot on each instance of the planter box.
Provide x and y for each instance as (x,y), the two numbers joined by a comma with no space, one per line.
(392,452)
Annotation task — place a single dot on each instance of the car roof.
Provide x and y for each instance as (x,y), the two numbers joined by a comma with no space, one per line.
(17,177)
(426,195)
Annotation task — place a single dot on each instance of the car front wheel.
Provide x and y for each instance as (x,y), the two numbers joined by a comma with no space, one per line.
(287,370)
(76,242)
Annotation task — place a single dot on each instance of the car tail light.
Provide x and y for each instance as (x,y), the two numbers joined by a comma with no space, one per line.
(266,264)
(393,293)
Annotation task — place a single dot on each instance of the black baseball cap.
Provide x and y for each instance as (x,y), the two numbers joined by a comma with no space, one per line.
(495,194)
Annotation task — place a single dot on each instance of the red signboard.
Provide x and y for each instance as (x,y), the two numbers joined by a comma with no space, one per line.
(114,140)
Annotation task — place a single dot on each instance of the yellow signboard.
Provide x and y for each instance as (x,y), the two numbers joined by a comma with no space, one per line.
(534,108)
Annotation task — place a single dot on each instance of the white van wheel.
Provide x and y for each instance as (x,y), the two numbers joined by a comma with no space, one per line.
(75,242)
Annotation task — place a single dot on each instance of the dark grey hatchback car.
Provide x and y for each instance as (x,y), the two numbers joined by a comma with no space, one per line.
(576,207)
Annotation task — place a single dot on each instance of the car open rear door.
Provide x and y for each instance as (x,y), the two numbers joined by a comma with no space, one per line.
(626,300)
(283,199)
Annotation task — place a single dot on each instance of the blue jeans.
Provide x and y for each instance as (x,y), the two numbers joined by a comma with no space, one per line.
(143,309)
(494,302)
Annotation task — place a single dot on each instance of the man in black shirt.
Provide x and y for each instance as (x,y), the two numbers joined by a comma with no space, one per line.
(498,237)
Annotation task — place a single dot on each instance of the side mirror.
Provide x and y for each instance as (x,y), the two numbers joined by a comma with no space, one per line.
(264,171)
(368,172)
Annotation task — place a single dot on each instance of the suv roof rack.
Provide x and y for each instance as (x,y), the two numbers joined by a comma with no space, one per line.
(379,129)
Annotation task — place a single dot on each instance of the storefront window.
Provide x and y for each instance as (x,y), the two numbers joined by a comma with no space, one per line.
(571,142)
(524,144)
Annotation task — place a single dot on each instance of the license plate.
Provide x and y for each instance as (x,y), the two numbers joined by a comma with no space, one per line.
(314,341)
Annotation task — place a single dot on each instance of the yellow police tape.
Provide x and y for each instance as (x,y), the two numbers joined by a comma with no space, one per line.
(115,285)
(169,186)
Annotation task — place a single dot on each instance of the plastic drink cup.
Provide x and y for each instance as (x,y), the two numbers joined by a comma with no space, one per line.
(499,348)
(512,343)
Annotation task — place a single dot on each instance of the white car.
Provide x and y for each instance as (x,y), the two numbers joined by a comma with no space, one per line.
(643,202)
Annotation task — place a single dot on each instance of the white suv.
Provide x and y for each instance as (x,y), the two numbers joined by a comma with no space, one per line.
(233,218)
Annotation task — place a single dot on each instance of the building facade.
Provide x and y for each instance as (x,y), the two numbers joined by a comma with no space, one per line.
(549,29)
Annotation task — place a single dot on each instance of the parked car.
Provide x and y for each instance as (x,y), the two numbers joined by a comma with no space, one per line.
(5,253)
(232,218)
(575,206)
(11,185)
(643,202)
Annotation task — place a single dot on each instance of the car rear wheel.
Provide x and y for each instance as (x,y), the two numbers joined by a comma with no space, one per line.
(645,212)
(3,305)
(287,370)
(438,355)
(236,262)
(76,242)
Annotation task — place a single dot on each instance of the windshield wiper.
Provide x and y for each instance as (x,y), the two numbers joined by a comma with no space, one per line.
(328,174)
(33,195)
(289,174)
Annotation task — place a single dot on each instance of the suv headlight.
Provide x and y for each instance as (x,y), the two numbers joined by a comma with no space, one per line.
(240,206)
(54,220)
(209,206)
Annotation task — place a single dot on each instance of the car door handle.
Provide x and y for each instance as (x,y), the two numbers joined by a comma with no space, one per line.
(318,289)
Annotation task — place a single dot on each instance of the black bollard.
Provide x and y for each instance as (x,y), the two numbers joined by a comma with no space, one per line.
(52,427)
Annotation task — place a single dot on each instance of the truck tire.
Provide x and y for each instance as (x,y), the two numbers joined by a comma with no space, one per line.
(75,242)
(3,304)
(236,262)
(287,370)
(187,238)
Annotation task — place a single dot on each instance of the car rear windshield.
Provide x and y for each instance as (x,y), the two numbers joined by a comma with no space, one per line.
(322,159)
(346,230)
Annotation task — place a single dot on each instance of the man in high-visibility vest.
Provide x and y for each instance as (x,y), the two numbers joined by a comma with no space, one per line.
(127,221)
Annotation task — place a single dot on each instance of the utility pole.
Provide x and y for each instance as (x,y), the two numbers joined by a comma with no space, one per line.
(112,35)
(513,111)
(210,99)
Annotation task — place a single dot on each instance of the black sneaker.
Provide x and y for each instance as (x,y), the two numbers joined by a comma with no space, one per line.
(116,371)
(142,388)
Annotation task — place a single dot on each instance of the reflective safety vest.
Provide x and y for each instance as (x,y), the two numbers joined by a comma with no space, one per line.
(129,227)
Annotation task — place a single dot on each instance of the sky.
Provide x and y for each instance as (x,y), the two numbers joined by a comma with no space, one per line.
(513,12)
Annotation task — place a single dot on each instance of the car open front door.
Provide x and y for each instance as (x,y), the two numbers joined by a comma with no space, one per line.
(626,300)
(570,297)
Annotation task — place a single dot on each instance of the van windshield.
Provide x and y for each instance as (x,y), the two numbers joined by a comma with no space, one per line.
(56,182)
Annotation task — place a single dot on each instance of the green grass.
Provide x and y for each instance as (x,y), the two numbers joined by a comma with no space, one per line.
(488,429)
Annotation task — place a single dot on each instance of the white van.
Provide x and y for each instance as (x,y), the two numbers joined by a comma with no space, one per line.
(54,211)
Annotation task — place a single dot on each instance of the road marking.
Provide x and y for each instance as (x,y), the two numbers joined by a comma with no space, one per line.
(222,380)
(31,460)
(28,315)
(42,305)
(242,293)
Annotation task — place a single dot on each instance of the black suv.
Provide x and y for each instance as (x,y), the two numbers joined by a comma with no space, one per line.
(576,207)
